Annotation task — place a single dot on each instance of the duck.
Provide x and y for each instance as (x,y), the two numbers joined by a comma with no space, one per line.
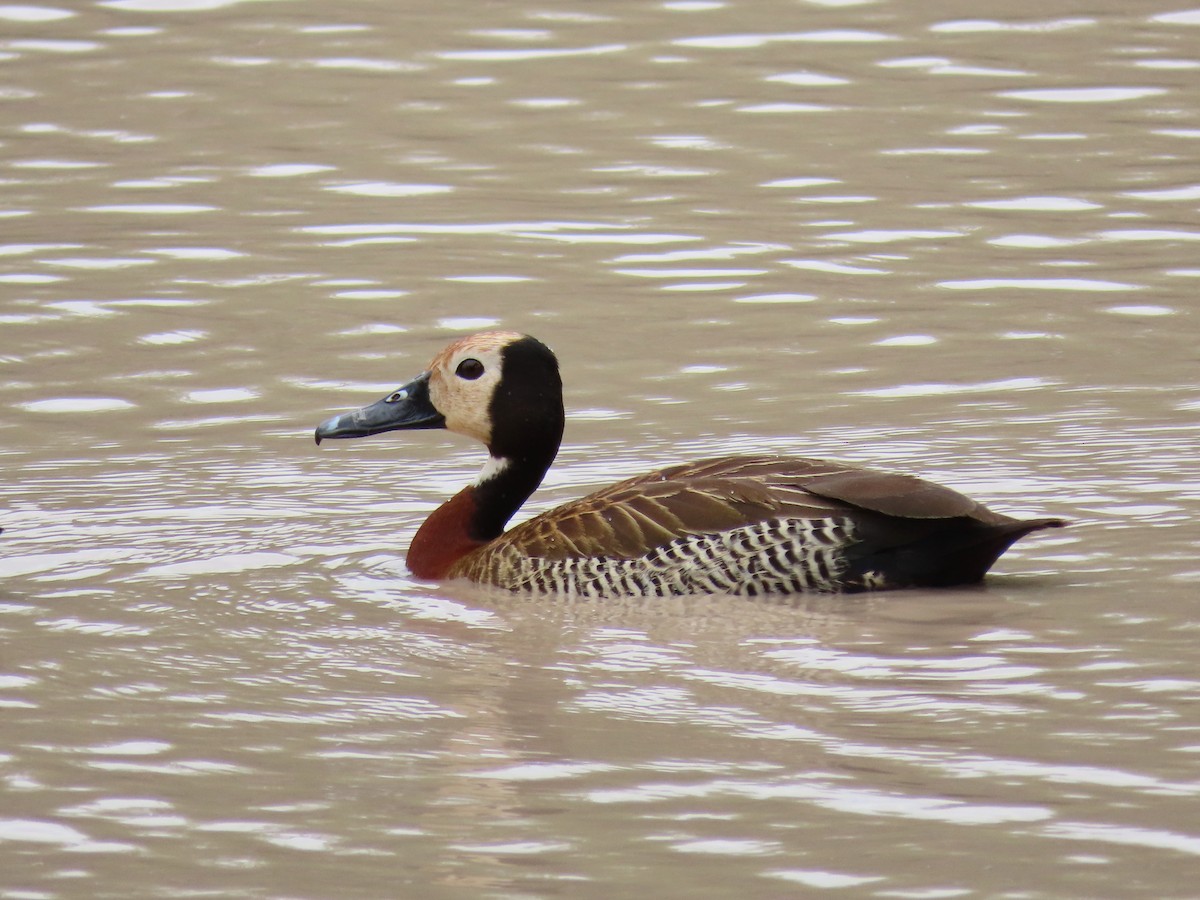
(745,525)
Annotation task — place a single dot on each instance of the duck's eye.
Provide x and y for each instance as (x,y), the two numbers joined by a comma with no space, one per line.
(469,369)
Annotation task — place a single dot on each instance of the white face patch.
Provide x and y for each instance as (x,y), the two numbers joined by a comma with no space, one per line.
(466,402)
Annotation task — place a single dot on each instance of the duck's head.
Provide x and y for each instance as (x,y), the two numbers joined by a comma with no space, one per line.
(498,387)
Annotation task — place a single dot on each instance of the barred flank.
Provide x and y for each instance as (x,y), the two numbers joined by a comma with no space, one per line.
(776,556)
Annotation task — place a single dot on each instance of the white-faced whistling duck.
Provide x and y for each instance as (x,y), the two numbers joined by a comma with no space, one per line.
(738,524)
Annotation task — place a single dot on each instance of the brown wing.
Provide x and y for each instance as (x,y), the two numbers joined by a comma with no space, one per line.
(632,517)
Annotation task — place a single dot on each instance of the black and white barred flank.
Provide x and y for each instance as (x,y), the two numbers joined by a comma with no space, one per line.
(775,556)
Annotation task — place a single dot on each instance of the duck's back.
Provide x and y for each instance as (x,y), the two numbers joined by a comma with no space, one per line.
(751,525)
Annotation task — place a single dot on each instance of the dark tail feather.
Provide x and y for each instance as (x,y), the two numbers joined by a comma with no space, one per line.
(960,553)
(967,559)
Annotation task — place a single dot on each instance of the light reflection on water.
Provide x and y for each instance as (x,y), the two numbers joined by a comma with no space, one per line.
(831,230)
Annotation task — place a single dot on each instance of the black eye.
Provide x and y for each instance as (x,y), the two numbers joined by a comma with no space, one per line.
(469,369)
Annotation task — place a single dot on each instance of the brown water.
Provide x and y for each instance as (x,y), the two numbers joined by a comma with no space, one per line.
(897,233)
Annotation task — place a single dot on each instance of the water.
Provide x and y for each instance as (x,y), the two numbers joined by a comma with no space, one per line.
(897,234)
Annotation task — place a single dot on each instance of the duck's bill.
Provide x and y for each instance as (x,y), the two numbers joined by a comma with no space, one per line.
(406,408)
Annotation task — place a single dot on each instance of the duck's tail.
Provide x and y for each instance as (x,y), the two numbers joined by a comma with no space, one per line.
(961,552)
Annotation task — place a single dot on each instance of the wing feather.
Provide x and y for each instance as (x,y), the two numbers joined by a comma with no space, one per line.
(632,517)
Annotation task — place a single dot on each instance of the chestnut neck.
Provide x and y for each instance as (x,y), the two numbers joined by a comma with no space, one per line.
(477,514)
(444,537)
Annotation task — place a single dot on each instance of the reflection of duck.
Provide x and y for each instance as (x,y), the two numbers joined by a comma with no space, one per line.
(743,525)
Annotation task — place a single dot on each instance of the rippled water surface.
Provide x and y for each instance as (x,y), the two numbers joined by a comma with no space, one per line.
(952,240)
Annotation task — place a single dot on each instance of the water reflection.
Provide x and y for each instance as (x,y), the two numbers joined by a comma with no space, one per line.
(949,246)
